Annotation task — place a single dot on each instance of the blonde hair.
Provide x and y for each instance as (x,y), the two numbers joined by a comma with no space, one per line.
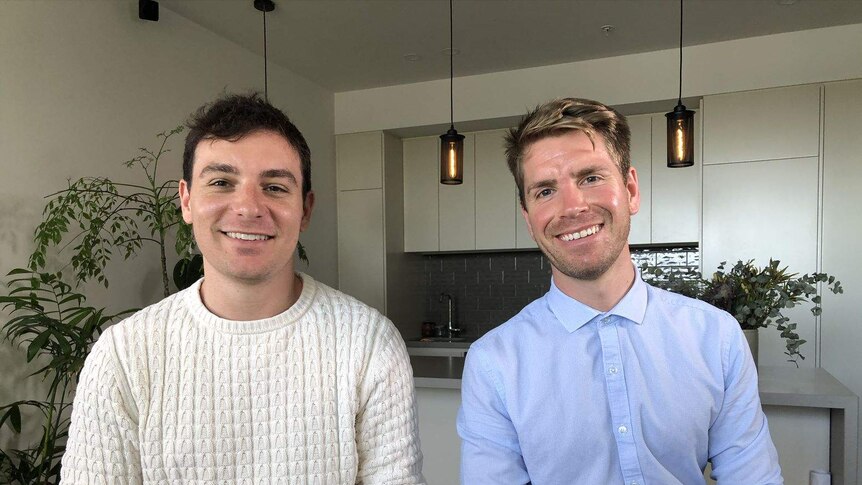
(569,114)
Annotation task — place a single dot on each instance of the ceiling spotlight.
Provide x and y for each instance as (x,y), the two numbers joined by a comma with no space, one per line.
(412,57)
(607,29)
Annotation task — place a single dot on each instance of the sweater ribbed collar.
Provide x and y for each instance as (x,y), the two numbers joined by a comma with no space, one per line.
(200,313)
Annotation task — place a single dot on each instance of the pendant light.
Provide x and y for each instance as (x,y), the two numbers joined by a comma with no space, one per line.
(680,123)
(451,143)
(265,6)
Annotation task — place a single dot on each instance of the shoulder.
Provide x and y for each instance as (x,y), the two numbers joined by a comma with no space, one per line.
(365,323)
(166,310)
(673,303)
(519,335)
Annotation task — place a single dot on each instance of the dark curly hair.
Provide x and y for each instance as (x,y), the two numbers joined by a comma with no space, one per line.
(233,116)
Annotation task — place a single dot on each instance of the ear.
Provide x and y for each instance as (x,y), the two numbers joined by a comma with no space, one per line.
(634,191)
(185,203)
(307,209)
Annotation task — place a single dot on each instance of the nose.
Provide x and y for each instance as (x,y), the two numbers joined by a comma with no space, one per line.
(573,199)
(248,202)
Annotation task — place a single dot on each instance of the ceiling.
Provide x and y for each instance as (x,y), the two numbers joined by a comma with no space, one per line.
(346,45)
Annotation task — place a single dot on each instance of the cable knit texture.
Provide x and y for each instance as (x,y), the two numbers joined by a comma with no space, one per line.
(320,394)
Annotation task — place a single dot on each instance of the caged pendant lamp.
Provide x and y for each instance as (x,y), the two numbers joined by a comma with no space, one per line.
(680,123)
(451,143)
(265,6)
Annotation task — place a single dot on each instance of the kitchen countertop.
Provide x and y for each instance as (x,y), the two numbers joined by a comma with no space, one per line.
(439,344)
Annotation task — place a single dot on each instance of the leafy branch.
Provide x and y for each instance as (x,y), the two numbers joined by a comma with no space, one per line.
(756,296)
(103,217)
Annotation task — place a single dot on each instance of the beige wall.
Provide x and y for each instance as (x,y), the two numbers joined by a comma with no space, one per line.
(83,84)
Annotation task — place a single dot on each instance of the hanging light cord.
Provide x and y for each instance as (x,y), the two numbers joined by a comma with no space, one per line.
(265,73)
(451,71)
(679,101)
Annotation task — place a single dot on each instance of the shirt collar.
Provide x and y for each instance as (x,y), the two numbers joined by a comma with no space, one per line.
(573,314)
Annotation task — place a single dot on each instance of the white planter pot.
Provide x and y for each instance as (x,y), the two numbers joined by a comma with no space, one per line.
(752,337)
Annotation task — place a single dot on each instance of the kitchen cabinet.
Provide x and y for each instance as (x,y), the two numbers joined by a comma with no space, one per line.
(457,205)
(483,213)
(499,223)
(769,124)
(675,192)
(421,179)
(496,195)
(761,208)
(670,197)
(361,252)
(641,155)
(372,264)
(841,331)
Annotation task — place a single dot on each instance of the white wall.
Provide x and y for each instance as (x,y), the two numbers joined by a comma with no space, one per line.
(83,84)
(761,62)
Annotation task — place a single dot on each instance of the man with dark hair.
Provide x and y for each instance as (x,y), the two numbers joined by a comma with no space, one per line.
(604,379)
(256,373)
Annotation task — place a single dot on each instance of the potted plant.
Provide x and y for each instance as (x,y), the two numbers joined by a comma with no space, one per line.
(95,218)
(756,296)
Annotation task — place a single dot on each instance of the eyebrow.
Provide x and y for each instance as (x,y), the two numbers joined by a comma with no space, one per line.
(230,169)
(219,168)
(279,173)
(550,182)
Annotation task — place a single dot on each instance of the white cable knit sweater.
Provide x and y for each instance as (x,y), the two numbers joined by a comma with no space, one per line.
(320,394)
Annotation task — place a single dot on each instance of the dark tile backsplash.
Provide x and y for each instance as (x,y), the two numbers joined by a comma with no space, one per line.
(489,288)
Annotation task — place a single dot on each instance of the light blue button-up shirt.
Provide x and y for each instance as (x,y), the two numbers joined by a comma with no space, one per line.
(644,394)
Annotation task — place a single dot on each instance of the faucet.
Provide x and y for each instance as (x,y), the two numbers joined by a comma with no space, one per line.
(450,327)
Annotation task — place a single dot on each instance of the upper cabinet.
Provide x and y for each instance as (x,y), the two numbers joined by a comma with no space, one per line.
(670,197)
(457,205)
(641,154)
(483,213)
(676,192)
(421,179)
(769,124)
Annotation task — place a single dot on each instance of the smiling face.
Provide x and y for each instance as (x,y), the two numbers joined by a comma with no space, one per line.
(579,206)
(246,207)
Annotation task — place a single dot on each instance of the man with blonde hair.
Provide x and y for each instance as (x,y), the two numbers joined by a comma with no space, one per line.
(605,379)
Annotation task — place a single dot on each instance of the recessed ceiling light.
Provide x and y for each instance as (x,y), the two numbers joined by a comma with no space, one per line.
(785,2)
(455,52)
(412,57)
(607,29)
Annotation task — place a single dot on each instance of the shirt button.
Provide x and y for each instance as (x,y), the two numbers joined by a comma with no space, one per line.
(634,482)
(622,429)
(613,370)
(606,321)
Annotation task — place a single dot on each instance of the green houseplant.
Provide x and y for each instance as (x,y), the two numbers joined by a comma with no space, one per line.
(756,296)
(93,219)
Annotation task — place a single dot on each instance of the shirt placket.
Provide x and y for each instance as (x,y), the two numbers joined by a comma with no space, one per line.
(618,400)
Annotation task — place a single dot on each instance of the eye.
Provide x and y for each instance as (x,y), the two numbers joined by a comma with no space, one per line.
(218,183)
(544,193)
(591,179)
(276,189)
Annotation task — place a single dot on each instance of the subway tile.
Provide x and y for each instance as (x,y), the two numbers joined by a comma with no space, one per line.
(477,263)
(528,261)
(454,264)
(502,262)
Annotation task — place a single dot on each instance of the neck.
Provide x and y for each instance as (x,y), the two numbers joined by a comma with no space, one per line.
(244,301)
(604,292)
